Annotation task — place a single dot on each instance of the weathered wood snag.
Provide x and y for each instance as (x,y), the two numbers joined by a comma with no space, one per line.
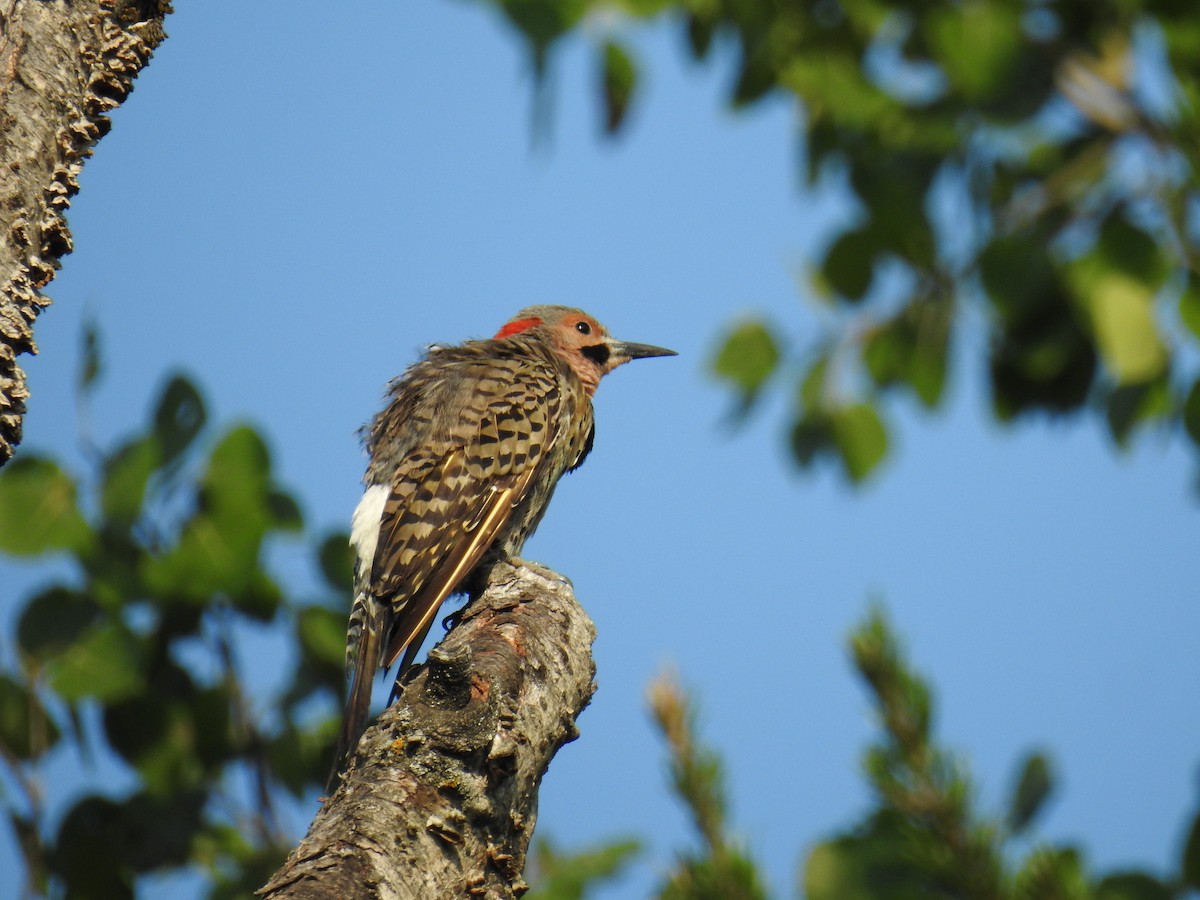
(441,797)
(63,65)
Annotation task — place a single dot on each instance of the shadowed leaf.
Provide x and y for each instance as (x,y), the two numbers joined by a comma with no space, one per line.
(1034,785)
(26,730)
(337,561)
(53,620)
(1191,413)
(1132,886)
(285,511)
(849,265)
(178,418)
(91,364)
(1190,868)
(618,82)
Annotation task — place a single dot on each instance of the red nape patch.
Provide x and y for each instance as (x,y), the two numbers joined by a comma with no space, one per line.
(516,326)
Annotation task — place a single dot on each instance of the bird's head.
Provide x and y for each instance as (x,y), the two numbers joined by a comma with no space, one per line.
(582,342)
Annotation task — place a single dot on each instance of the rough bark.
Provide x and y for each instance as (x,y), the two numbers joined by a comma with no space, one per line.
(63,65)
(441,797)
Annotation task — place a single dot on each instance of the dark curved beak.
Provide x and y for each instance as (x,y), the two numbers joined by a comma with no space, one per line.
(626,350)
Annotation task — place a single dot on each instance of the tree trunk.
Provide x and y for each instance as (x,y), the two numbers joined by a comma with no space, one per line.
(441,797)
(63,65)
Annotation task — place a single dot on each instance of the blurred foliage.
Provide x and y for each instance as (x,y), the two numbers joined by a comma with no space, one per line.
(1026,165)
(125,670)
(569,876)
(719,869)
(924,835)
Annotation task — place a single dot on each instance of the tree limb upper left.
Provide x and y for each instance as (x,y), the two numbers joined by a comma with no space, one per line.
(63,66)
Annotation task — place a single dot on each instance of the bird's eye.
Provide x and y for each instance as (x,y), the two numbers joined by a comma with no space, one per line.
(583,327)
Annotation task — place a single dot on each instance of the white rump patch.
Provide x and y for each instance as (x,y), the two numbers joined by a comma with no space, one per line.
(364,525)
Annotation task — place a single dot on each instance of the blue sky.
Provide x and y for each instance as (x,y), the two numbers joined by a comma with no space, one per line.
(291,204)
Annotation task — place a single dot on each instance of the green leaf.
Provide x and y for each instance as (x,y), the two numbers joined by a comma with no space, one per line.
(1123,318)
(238,473)
(126,474)
(1033,787)
(977,43)
(832,85)
(178,418)
(1191,413)
(618,82)
(849,265)
(218,550)
(748,357)
(208,559)
(105,664)
(861,439)
(814,385)
(38,512)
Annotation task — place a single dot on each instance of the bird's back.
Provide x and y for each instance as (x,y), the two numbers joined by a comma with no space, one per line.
(464,459)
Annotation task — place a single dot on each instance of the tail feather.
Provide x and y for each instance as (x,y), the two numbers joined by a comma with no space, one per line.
(366,656)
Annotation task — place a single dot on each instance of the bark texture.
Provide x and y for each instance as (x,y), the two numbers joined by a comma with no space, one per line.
(440,799)
(63,65)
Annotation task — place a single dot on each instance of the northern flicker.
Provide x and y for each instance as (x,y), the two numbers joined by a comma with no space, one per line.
(463,461)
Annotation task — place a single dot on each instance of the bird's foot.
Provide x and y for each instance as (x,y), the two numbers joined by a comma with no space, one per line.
(453,619)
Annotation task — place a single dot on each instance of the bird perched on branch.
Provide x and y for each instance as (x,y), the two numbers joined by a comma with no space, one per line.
(463,461)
